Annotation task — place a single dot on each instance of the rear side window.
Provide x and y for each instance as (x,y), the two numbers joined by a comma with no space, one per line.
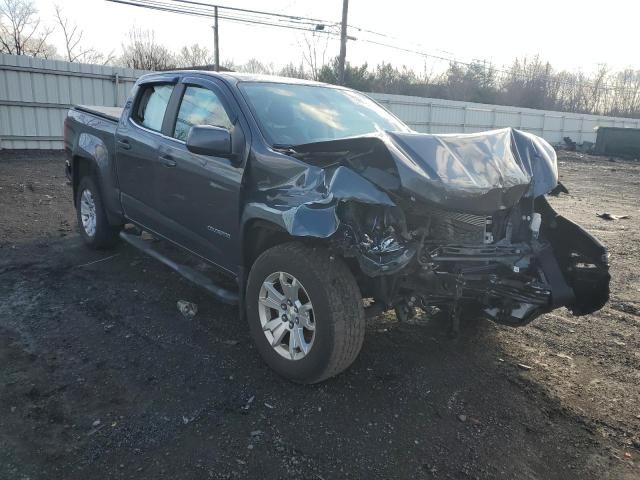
(152,106)
(200,106)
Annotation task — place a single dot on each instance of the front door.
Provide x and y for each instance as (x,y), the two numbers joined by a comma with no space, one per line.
(198,195)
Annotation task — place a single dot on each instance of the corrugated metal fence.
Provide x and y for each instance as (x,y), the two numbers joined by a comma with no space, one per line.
(35,94)
(431,115)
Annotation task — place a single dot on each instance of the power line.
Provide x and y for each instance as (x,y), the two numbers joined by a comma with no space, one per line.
(315,25)
(521,76)
(245,10)
(409,50)
(385,35)
(160,6)
(476,62)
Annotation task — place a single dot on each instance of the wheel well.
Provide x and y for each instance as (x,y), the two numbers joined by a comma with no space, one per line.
(259,236)
(81,167)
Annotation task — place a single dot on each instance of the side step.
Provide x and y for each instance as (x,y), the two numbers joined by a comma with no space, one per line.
(222,294)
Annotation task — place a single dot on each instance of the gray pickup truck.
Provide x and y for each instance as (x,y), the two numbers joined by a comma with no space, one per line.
(315,201)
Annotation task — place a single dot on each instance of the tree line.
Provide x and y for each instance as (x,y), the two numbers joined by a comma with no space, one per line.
(527,82)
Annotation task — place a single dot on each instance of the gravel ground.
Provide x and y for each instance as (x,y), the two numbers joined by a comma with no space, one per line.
(101,377)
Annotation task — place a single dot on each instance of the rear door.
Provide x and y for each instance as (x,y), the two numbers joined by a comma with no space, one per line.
(138,140)
(198,195)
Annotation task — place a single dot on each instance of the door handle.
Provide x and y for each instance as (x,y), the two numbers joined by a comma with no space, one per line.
(124,144)
(168,161)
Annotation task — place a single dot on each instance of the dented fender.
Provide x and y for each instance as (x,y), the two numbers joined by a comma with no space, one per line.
(306,205)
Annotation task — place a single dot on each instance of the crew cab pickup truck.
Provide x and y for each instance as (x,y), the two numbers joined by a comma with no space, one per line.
(314,200)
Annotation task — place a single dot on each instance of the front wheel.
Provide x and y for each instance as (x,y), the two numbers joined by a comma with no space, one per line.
(305,312)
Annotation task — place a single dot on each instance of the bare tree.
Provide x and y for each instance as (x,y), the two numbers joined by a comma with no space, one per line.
(599,92)
(21,32)
(427,75)
(74,50)
(254,65)
(314,52)
(194,56)
(625,95)
(143,52)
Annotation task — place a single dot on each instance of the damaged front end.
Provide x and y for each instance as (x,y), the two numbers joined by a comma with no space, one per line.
(509,267)
(448,221)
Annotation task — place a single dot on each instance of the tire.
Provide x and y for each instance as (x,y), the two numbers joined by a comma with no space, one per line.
(102,234)
(337,313)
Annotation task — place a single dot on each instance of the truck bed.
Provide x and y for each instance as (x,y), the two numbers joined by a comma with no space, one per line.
(109,113)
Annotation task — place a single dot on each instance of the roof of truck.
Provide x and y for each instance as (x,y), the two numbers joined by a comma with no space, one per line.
(236,77)
(255,77)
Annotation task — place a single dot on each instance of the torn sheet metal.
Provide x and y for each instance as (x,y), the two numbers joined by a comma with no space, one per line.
(477,173)
(306,205)
(376,263)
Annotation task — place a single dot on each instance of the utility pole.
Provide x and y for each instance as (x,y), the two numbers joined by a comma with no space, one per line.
(343,42)
(216,48)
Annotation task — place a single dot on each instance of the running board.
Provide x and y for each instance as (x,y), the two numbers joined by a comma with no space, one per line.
(222,294)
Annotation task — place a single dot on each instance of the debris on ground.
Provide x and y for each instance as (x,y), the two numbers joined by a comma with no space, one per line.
(98,261)
(248,404)
(563,355)
(569,144)
(475,421)
(611,216)
(585,146)
(187,309)
(186,420)
(523,366)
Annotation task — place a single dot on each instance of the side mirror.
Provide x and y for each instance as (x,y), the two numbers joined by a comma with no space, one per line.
(208,140)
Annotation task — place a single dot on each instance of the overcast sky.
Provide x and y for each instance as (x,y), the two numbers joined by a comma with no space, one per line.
(571,34)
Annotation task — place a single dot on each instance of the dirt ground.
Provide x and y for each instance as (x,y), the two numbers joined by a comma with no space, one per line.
(101,377)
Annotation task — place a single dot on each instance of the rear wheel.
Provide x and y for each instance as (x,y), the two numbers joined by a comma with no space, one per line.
(92,219)
(305,312)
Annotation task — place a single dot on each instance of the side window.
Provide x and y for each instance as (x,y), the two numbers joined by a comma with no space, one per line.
(200,106)
(152,105)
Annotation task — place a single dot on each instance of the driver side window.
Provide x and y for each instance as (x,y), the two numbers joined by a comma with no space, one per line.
(200,106)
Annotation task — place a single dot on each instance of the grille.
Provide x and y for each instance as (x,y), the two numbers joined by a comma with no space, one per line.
(459,228)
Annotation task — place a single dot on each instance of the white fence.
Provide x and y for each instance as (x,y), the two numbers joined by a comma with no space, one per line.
(430,115)
(35,94)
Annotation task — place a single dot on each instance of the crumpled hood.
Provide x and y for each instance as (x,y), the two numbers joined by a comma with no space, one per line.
(475,173)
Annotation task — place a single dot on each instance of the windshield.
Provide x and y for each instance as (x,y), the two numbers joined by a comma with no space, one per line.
(290,114)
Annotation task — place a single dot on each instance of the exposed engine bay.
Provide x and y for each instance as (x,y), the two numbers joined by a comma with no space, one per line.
(504,266)
(452,221)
